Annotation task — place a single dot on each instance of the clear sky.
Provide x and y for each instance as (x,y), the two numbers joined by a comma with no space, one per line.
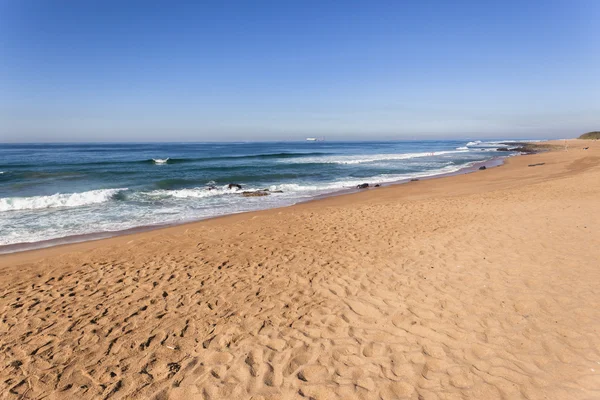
(262,70)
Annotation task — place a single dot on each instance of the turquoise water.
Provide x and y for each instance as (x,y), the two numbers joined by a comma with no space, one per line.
(50,191)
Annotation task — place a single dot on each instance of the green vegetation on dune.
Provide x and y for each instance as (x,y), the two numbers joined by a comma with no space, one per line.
(590,135)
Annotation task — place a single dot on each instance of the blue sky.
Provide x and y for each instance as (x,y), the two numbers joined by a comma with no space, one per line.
(265,70)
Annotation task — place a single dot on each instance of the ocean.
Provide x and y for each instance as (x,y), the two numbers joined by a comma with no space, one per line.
(52,191)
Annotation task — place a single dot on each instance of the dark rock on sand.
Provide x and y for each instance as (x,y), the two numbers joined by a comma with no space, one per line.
(524,149)
(234,186)
(535,165)
(521,147)
(414,179)
(271,191)
(377,185)
(258,193)
(362,186)
(482,168)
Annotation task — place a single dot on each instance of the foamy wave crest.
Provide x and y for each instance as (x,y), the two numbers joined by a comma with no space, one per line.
(352,183)
(58,200)
(373,157)
(478,144)
(160,160)
(199,192)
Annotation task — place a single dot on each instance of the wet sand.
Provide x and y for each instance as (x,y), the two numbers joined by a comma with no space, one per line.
(478,286)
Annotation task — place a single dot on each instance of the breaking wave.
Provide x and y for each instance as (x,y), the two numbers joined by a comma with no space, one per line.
(375,157)
(59,200)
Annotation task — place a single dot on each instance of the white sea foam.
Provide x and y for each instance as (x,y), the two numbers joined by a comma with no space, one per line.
(198,192)
(372,157)
(479,144)
(352,183)
(58,200)
(160,160)
(495,143)
(522,141)
(186,193)
(295,189)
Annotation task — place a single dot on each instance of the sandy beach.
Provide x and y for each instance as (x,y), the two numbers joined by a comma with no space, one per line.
(478,286)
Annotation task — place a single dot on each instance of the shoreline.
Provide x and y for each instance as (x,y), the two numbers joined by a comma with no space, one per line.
(96,236)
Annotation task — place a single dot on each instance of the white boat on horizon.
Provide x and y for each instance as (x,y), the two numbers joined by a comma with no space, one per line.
(311,139)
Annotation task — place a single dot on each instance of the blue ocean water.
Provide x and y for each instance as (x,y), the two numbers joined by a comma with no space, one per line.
(50,191)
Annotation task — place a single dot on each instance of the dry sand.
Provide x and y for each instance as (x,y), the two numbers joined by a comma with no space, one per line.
(479,286)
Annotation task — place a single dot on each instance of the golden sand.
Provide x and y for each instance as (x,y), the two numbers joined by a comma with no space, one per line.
(478,286)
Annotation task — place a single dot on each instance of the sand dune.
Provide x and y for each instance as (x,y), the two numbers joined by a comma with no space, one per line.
(479,286)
